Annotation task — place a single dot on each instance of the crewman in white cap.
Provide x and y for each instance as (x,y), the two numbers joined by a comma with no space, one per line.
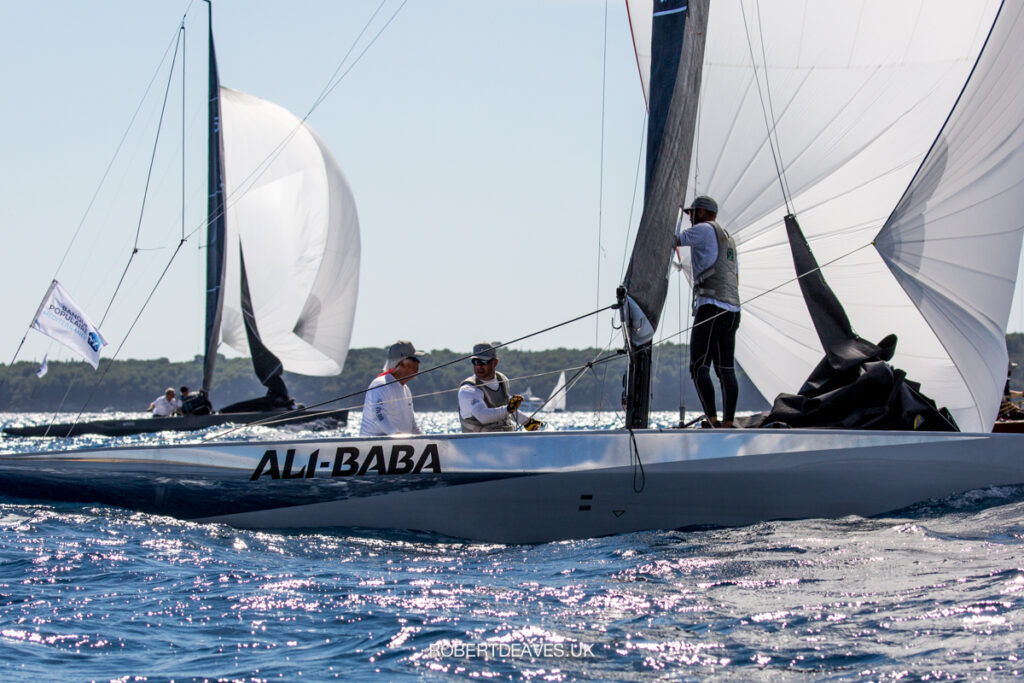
(387,408)
(166,405)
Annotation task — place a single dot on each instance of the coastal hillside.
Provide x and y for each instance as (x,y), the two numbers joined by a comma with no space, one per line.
(132,384)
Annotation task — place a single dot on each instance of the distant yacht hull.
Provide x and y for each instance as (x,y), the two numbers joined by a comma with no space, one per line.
(185,423)
(528,487)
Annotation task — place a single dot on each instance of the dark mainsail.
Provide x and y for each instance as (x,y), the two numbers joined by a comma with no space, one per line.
(677,55)
(215,220)
(669,21)
(268,367)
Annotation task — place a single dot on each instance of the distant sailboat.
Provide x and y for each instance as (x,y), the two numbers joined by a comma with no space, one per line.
(282,261)
(556,401)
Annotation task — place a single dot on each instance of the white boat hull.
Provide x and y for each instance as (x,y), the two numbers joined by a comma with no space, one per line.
(528,487)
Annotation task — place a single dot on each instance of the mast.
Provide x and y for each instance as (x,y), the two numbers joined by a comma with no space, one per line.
(677,56)
(216,227)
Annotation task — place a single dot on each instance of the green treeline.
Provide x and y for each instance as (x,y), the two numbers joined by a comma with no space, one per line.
(132,384)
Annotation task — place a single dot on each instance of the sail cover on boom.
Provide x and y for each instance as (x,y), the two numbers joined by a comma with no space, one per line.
(292,214)
(843,100)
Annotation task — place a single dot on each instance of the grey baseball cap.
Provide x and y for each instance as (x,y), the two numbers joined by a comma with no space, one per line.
(703,202)
(401,350)
(485,351)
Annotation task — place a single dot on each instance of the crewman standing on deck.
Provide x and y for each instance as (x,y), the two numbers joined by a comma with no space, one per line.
(716,306)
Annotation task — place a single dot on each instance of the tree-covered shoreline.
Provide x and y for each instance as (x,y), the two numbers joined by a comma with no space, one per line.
(130,385)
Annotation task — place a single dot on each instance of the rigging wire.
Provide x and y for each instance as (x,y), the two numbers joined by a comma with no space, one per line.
(435,368)
(327,87)
(308,410)
(603,382)
(769,123)
(627,242)
(771,107)
(184,127)
(260,170)
(770,290)
(632,203)
(245,184)
(61,405)
(149,175)
(600,174)
(333,82)
(695,152)
(637,463)
(100,185)
(679,317)
(338,80)
(688,353)
(574,380)
(110,361)
(120,144)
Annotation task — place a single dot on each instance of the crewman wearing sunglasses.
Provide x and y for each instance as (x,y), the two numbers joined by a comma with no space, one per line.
(486,404)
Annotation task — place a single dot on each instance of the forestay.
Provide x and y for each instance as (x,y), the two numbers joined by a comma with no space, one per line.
(293,216)
(848,97)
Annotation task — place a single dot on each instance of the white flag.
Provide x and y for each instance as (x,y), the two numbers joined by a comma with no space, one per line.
(61,320)
(43,369)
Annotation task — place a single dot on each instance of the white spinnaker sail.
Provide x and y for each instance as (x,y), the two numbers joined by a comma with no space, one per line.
(855,94)
(954,241)
(292,212)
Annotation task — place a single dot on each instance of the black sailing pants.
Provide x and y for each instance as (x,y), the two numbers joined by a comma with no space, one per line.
(713,340)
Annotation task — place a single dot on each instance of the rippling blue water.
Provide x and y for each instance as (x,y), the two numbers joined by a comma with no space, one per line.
(933,593)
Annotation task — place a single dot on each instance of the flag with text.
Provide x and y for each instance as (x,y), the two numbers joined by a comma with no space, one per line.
(61,320)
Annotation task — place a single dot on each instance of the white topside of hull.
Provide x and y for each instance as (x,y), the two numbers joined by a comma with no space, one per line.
(531,487)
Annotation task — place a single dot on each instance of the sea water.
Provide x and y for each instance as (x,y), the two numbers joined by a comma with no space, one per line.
(90,592)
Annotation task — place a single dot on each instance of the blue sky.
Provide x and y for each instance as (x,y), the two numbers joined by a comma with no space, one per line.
(471,134)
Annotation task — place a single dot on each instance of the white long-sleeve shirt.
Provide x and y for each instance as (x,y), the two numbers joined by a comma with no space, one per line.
(387,409)
(472,404)
(165,408)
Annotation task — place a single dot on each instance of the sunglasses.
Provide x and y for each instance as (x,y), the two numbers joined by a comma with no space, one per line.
(477,361)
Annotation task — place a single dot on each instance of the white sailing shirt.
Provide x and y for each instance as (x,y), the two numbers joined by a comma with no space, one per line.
(164,408)
(472,404)
(387,408)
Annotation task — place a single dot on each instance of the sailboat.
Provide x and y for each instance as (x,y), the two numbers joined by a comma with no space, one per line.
(556,401)
(282,263)
(903,154)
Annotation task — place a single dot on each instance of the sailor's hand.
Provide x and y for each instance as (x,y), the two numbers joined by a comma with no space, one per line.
(514,403)
(533,425)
